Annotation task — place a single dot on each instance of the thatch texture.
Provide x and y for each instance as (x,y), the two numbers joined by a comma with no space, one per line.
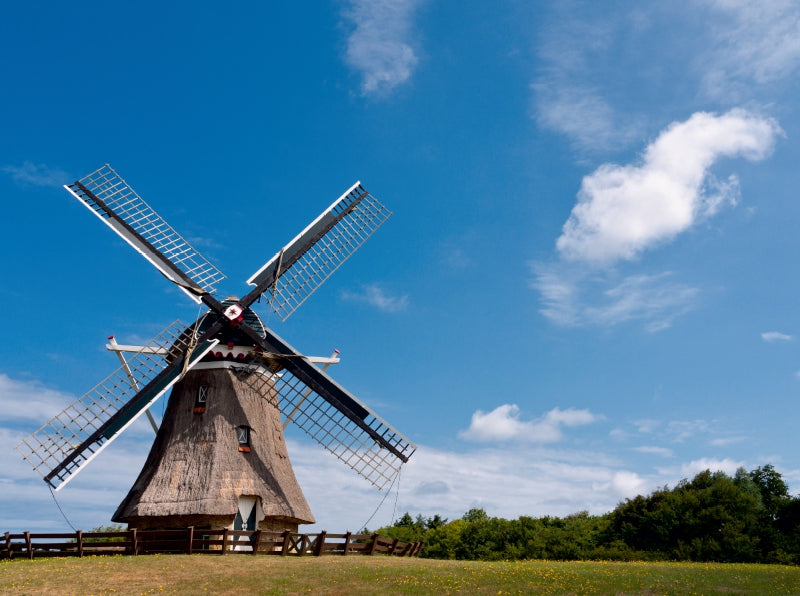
(195,472)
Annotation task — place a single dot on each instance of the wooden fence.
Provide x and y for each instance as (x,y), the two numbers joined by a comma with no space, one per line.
(197,541)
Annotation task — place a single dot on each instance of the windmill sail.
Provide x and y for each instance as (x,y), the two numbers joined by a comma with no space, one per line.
(75,436)
(110,198)
(331,415)
(303,265)
(363,441)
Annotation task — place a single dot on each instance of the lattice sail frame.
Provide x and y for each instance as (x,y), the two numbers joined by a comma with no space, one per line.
(317,252)
(120,208)
(327,425)
(54,442)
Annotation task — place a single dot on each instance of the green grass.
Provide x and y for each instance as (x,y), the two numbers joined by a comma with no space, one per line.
(354,575)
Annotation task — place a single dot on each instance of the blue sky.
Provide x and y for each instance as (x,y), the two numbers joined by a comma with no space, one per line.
(586,290)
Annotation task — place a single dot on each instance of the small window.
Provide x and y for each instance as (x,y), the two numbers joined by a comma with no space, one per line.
(243,434)
(200,399)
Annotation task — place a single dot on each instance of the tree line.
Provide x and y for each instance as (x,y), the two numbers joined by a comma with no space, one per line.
(747,517)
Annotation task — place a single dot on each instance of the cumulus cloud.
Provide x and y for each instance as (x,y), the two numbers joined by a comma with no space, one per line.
(380,46)
(622,483)
(31,174)
(536,481)
(376,296)
(624,210)
(775,336)
(729,466)
(504,424)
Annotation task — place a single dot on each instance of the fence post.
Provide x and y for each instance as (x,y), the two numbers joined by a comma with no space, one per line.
(301,544)
(255,540)
(392,548)
(79,540)
(374,544)
(347,543)
(135,541)
(320,544)
(191,540)
(8,545)
(28,544)
(285,549)
(224,541)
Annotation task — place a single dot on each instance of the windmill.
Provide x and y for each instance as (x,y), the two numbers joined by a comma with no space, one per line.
(219,458)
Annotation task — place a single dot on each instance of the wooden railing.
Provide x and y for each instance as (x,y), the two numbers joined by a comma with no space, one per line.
(197,541)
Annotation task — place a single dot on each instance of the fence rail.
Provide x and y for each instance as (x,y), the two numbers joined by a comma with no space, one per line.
(200,541)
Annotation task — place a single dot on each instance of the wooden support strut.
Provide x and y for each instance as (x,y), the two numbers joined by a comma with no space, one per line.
(347,543)
(374,544)
(286,537)
(320,546)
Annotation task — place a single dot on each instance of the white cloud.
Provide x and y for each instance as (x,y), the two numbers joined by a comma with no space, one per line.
(773,336)
(380,46)
(680,430)
(726,465)
(503,424)
(31,174)
(626,483)
(751,42)
(30,401)
(567,96)
(576,298)
(376,296)
(535,481)
(653,450)
(726,441)
(581,113)
(624,210)
(647,426)
(643,297)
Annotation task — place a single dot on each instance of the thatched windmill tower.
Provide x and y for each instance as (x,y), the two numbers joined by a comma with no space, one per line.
(219,458)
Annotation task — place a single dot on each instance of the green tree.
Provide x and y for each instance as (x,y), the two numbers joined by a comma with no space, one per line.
(708,518)
(774,492)
(435,522)
(475,514)
(443,541)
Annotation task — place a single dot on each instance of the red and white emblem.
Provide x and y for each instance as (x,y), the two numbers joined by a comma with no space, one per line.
(233,312)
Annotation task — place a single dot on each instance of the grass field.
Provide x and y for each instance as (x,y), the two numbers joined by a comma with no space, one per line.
(184,574)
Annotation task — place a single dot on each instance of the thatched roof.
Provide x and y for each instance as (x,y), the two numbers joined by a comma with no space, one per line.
(195,467)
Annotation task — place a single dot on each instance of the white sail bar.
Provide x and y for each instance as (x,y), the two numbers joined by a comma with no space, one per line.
(109,197)
(75,436)
(334,430)
(316,252)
